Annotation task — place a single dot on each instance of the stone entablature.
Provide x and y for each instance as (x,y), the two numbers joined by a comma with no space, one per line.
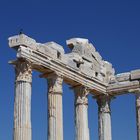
(83,65)
(83,58)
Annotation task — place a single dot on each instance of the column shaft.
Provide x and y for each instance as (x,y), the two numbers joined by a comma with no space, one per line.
(138,115)
(104,118)
(22,104)
(81,114)
(55,111)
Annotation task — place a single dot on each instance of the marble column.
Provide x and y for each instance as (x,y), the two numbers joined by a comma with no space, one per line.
(22,103)
(104,118)
(55,111)
(81,113)
(138,114)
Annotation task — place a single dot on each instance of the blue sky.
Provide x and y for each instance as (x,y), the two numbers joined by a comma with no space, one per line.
(114,29)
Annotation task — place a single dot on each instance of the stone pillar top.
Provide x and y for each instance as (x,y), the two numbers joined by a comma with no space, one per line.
(137,95)
(104,103)
(23,70)
(55,81)
(81,95)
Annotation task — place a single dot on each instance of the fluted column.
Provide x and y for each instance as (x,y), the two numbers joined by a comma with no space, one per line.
(104,118)
(138,114)
(81,113)
(55,111)
(22,104)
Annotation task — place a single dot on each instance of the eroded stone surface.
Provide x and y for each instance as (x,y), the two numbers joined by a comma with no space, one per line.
(83,57)
(90,61)
(135,74)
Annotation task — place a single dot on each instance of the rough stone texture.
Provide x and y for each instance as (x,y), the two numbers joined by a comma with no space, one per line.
(55,115)
(135,74)
(104,118)
(22,39)
(22,104)
(81,113)
(124,83)
(92,63)
(83,58)
(119,88)
(123,77)
(72,76)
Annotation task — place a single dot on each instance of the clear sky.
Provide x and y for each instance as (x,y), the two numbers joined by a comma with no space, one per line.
(114,29)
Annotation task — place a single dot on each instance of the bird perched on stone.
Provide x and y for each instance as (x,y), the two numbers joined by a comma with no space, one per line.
(20,31)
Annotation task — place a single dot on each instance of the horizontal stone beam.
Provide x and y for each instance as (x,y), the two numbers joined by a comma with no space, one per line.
(122,87)
(45,64)
(124,83)
(83,56)
(83,66)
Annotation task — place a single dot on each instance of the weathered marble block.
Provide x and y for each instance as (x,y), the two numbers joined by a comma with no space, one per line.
(135,74)
(123,77)
(22,39)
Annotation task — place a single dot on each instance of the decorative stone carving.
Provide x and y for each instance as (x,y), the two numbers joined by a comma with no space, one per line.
(55,84)
(81,96)
(104,104)
(23,71)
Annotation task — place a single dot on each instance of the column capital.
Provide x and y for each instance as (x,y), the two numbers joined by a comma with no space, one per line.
(23,71)
(103,102)
(55,82)
(137,95)
(81,95)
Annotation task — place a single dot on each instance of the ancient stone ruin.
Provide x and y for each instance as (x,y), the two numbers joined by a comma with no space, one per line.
(86,73)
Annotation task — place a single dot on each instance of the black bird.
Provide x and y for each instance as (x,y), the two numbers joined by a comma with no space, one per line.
(20,31)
